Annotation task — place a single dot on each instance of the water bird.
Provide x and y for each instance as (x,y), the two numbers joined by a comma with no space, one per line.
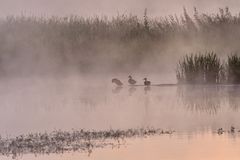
(117,82)
(220,131)
(131,81)
(232,129)
(146,82)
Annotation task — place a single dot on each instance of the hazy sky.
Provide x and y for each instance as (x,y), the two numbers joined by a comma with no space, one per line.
(110,7)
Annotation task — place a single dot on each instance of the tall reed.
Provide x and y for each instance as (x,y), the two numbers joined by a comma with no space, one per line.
(233,69)
(31,44)
(199,69)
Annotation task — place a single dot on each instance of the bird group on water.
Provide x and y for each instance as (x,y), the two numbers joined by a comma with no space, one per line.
(131,81)
(221,131)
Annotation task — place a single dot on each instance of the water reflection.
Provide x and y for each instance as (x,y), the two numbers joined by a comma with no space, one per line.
(131,90)
(68,105)
(147,89)
(117,89)
(234,97)
(195,98)
(147,102)
(88,103)
(200,98)
(209,99)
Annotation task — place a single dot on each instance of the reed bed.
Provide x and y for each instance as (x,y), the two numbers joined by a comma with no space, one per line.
(208,69)
(35,45)
(199,69)
(233,69)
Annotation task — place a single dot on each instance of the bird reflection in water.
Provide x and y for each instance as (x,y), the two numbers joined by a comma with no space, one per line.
(131,90)
(147,101)
(117,89)
(147,89)
(118,84)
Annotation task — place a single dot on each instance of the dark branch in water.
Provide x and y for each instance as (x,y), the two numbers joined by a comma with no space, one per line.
(60,141)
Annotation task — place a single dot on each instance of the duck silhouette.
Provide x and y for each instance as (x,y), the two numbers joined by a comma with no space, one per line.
(131,81)
(146,82)
(220,131)
(117,82)
(232,129)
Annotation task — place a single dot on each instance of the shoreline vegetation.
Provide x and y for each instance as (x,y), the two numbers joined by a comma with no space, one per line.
(126,43)
(75,141)
(59,142)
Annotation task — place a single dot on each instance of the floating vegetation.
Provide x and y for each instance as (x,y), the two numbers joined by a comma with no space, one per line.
(60,141)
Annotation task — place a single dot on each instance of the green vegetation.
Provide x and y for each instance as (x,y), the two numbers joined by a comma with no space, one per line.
(208,69)
(201,68)
(233,68)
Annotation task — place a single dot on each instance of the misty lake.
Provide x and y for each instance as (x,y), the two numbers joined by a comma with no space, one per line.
(195,113)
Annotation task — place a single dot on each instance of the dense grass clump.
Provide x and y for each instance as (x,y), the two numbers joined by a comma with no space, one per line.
(208,69)
(233,68)
(199,69)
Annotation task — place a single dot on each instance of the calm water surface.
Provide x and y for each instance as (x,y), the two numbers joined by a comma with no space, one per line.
(194,112)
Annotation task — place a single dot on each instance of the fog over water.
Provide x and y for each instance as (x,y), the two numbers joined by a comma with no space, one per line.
(41,47)
(50,61)
(38,105)
(56,73)
(110,7)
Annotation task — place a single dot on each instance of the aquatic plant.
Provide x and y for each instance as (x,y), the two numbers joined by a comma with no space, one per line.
(199,69)
(62,141)
(233,69)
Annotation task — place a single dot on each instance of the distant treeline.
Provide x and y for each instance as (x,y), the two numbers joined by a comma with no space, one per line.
(31,44)
(208,69)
